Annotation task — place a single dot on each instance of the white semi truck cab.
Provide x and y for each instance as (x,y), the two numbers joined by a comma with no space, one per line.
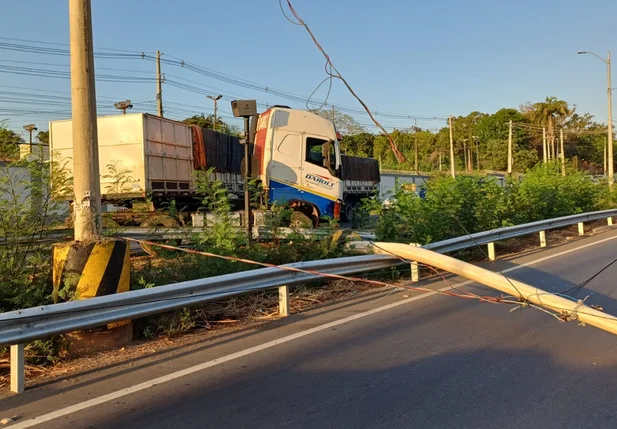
(298,161)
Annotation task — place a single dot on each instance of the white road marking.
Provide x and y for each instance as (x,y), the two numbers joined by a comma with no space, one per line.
(174,375)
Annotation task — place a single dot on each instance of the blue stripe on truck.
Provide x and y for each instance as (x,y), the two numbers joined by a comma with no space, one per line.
(284,193)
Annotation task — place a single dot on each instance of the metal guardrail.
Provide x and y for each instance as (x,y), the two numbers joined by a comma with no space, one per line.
(38,322)
(180,233)
(487,237)
(18,327)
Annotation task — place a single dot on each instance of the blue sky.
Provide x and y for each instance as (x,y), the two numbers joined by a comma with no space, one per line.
(417,58)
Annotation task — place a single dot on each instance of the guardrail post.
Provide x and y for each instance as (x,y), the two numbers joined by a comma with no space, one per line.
(284,301)
(581,228)
(491,251)
(542,238)
(18,368)
(415,271)
(609,221)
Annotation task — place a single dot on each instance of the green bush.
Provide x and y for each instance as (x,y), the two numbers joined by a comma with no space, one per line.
(27,214)
(467,204)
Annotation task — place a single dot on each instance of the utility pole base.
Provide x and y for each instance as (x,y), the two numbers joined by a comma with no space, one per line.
(86,270)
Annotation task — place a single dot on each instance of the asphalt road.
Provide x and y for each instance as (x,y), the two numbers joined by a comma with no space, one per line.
(413,362)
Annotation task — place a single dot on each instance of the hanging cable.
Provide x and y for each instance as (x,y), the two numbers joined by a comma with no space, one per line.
(337,74)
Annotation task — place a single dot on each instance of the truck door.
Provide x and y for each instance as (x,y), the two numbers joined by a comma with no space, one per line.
(319,171)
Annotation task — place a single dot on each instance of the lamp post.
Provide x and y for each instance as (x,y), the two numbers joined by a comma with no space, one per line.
(123,105)
(610,162)
(215,99)
(30,128)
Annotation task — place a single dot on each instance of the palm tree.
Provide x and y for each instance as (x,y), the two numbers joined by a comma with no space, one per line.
(549,113)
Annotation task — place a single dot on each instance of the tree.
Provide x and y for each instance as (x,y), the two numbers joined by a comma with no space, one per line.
(358,144)
(208,121)
(464,133)
(492,132)
(43,137)
(9,143)
(344,123)
(550,112)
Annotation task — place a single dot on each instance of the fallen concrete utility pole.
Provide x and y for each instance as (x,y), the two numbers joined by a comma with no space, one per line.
(567,310)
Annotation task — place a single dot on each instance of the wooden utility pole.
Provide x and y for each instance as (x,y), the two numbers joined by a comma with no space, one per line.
(159,84)
(465,156)
(563,156)
(452,165)
(544,154)
(440,161)
(87,203)
(510,147)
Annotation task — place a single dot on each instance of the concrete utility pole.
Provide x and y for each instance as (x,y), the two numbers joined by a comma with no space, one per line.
(611,159)
(510,147)
(87,204)
(604,151)
(415,128)
(477,152)
(159,84)
(563,156)
(215,99)
(544,154)
(470,159)
(452,165)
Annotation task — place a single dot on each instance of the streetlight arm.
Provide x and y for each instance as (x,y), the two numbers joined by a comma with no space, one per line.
(594,54)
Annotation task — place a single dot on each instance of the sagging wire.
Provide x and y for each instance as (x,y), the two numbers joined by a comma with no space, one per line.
(466,295)
(585,282)
(565,315)
(337,75)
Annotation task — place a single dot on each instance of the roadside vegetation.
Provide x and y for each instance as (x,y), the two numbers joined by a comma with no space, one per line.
(468,204)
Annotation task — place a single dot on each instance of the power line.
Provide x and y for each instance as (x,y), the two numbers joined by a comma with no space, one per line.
(66,44)
(126,54)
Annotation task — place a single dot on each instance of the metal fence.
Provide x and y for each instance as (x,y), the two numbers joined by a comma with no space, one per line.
(18,327)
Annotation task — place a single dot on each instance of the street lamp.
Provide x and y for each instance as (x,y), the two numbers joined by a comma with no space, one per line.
(610,114)
(123,105)
(30,128)
(215,99)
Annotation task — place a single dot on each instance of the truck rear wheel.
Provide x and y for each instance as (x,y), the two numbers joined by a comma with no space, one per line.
(348,208)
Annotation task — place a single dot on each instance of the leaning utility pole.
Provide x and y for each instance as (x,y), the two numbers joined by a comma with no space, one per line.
(563,156)
(544,154)
(159,84)
(87,203)
(452,166)
(510,148)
